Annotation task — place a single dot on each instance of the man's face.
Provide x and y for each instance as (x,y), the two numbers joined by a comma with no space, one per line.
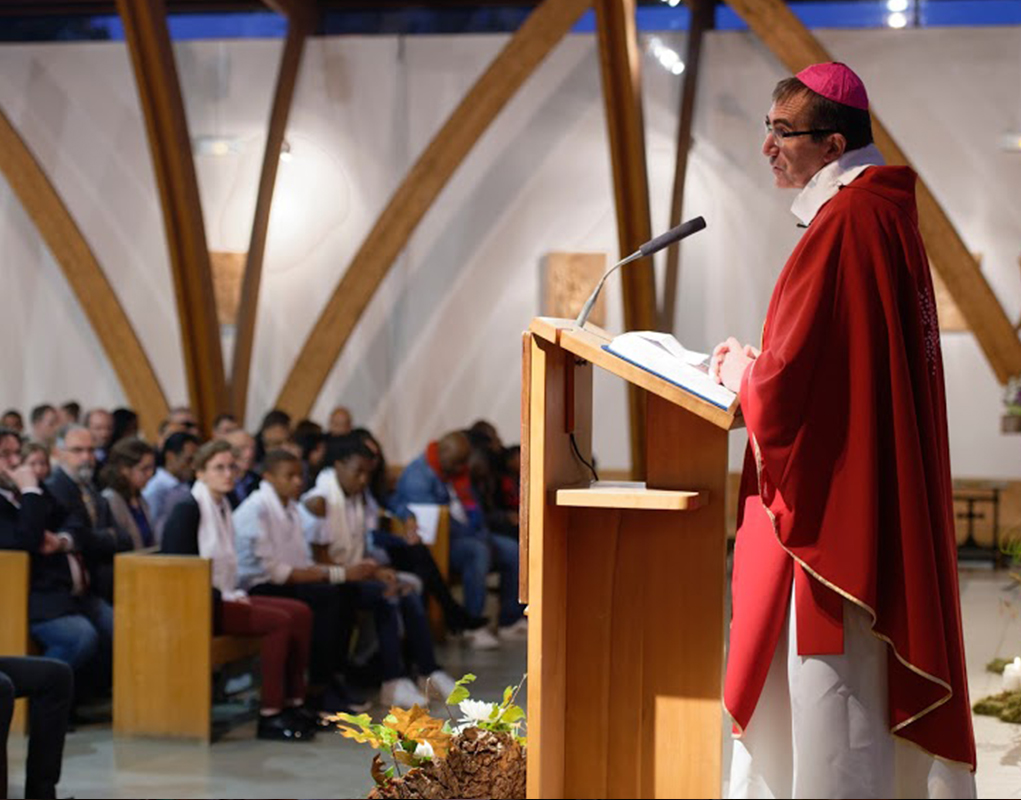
(180,464)
(796,160)
(78,455)
(185,421)
(286,479)
(101,427)
(275,436)
(244,450)
(340,422)
(353,474)
(46,428)
(10,458)
(12,421)
(224,428)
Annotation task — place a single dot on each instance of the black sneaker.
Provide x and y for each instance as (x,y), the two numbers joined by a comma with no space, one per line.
(285,727)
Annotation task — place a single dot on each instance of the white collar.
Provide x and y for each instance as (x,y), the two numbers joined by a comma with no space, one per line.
(831,178)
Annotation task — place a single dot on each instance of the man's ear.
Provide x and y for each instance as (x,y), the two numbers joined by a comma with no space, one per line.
(836,146)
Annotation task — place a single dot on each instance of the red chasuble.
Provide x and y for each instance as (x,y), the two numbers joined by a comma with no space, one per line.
(846,489)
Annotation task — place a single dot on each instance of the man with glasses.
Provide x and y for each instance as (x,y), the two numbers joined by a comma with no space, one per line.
(89,519)
(24,517)
(846,611)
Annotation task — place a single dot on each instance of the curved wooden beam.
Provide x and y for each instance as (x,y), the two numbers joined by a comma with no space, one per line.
(159,91)
(89,283)
(796,47)
(299,25)
(702,19)
(527,48)
(622,95)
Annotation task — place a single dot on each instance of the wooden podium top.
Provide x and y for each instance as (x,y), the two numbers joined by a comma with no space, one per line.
(587,343)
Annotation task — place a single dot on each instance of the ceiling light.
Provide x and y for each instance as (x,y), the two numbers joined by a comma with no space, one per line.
(897,5)
(897,20)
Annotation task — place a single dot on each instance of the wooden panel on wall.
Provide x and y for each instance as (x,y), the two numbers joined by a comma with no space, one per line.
(228,273)
(527,48)
(567,281)
(85,276)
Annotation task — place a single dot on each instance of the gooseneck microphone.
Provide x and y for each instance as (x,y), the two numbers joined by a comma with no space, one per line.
(682,231)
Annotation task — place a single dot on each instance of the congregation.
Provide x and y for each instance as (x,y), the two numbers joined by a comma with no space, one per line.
(314,543)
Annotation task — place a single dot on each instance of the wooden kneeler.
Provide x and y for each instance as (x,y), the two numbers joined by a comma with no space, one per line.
(164,651)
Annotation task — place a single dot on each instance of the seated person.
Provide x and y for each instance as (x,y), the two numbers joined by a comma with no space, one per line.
(13,420)
(224,425)
(275,560)
(71,624)
(247,477)
(128,470)
(49,686)
(440,476)
(407,552)
(202,526)
(172,482)
(339,516)
(72,486)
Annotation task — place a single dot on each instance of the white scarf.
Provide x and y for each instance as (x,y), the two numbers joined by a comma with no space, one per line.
(345,519)
(216,541)
(825,184)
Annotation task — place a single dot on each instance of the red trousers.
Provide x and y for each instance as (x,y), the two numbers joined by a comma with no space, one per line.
(286,630)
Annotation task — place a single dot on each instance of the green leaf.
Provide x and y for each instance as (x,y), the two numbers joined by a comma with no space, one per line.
(508,693)
(389,720)
(389,772)
(512,714)
(460,693)
(362,720)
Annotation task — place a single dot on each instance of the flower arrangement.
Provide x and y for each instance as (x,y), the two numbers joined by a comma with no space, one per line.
(479,755)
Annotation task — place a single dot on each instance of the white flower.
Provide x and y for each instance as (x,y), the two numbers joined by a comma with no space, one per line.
(476,711)
(424,750)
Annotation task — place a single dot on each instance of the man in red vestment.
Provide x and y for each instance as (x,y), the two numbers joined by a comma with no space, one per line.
(845,642)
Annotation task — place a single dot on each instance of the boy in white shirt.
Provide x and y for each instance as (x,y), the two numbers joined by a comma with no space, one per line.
(339,515)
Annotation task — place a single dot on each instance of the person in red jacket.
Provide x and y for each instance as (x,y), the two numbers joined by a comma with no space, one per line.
(845,642)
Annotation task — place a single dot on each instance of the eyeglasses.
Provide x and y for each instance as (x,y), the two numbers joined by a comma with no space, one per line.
(780,135)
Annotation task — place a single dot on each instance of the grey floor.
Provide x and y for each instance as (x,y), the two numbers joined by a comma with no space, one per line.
(97,765)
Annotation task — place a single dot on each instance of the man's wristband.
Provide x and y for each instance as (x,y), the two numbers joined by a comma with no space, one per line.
(337,574)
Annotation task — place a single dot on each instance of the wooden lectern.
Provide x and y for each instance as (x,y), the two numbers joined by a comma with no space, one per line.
(624,583)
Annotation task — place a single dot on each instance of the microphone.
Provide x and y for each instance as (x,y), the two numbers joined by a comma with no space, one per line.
(682,231)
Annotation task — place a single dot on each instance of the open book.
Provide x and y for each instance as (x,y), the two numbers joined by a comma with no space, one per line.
(662,355)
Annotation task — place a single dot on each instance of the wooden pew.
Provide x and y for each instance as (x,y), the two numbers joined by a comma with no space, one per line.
(14,636)
(164,651)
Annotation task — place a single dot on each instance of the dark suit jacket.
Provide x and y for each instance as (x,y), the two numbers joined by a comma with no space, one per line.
(98,543)
(181,538)
(22,529)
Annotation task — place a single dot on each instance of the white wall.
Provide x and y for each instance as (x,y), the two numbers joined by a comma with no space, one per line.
(439,344)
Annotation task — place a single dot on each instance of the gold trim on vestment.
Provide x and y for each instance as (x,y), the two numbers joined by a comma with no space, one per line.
(759,468)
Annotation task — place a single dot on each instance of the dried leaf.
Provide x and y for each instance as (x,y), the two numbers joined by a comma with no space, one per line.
(418,725)
(378,773)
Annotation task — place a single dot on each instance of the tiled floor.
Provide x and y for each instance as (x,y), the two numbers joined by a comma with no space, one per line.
(97,765)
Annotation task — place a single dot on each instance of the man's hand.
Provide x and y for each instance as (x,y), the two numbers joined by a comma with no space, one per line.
(23,477)
(362,571)
(51,544)
(729,361)
(411,531)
